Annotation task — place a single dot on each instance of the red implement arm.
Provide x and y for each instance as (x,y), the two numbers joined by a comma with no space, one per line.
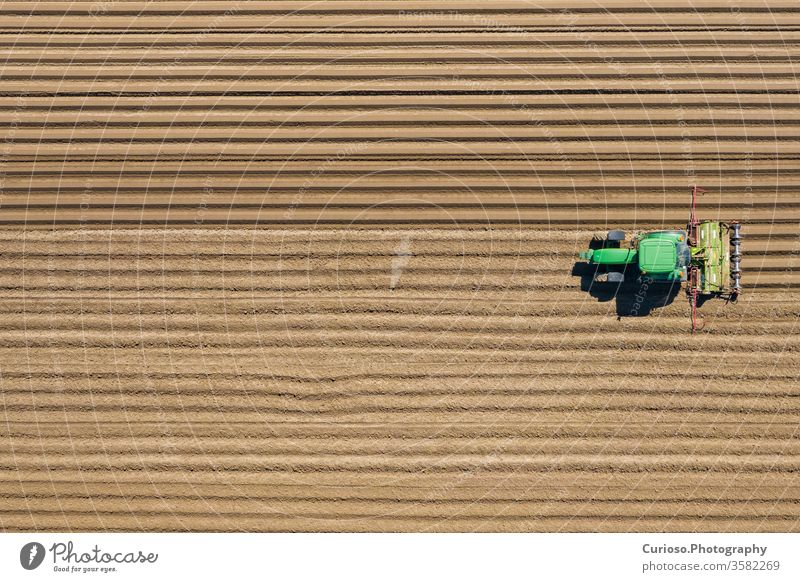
(694,286)
(693,222)
(694,272)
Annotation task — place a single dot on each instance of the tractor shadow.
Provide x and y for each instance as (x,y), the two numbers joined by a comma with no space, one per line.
(634,297)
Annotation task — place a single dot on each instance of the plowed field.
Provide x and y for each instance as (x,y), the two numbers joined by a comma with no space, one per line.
(294,266)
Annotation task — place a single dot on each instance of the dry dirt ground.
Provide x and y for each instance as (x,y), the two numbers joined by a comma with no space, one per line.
(290,266)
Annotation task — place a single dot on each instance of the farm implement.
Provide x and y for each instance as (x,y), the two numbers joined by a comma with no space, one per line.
(706,255)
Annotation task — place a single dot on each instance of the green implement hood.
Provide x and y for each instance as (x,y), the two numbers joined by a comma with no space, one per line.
(657,255)
(712,256)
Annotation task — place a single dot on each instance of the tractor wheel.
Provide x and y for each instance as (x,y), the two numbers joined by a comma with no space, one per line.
(616,235)
(615,277)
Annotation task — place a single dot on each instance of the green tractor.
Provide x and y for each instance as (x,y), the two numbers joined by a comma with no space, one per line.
(706,256)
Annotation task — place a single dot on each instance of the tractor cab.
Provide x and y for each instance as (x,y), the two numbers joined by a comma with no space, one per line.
(663,255)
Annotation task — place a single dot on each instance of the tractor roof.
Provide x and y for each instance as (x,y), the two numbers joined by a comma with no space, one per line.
(657,255)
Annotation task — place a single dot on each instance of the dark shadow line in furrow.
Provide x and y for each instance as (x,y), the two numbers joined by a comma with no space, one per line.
(453,408)
(682,467)
(375,59)
(625,157)
(416,500)
(611,195)
(646,123)
(394,41)
(486,425)
(332,518)
(322,380)
(380,93)
(382,30)
(344,394)
(388,139)
(357,171)
(411,107)
(191,12)
(577,206)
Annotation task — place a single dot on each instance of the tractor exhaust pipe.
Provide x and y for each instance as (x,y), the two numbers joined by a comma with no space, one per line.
(736,257)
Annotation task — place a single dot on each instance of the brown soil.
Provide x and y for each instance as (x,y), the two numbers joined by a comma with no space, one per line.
(312,268)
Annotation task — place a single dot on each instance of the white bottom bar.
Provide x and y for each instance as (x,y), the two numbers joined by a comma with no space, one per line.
(387,557)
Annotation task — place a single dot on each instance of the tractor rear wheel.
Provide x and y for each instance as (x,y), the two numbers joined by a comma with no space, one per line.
(616,235)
